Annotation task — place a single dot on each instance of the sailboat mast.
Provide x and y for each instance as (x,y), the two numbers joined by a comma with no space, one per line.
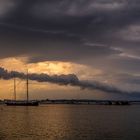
(14,87)
(27,82)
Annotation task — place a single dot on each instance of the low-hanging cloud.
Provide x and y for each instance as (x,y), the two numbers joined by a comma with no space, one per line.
(70,79)
(77,31)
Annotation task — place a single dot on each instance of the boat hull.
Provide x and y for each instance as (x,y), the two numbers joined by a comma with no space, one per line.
(22,103)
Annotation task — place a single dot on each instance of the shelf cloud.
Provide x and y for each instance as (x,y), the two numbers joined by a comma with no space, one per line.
(70,79)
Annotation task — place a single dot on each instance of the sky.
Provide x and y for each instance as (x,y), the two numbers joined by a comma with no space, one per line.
(96,40)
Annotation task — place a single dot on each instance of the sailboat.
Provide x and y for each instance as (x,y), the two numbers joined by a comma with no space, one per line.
(26,102)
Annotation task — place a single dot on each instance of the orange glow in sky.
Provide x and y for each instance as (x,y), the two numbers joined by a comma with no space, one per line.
(43,89)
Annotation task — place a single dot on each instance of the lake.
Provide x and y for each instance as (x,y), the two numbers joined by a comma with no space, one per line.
(70,122)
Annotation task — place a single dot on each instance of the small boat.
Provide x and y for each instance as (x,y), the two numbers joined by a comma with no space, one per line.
(26,102)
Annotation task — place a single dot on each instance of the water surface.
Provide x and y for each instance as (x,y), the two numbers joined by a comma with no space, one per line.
(70,122)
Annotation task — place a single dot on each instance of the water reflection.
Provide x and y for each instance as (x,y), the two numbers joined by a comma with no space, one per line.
(70,122)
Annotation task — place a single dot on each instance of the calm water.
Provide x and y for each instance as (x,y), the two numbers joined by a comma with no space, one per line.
(70,122)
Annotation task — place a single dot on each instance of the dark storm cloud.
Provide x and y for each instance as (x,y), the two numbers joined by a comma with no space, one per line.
(81,31)
(34,21)
(49,45)
(75,16)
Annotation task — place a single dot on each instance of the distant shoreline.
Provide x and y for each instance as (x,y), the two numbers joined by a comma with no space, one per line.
(82,102)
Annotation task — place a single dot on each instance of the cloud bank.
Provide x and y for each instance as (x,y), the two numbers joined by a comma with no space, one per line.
(69,79)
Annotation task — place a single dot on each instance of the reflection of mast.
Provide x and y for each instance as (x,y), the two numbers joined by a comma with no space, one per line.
(14,87)
(27,82)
